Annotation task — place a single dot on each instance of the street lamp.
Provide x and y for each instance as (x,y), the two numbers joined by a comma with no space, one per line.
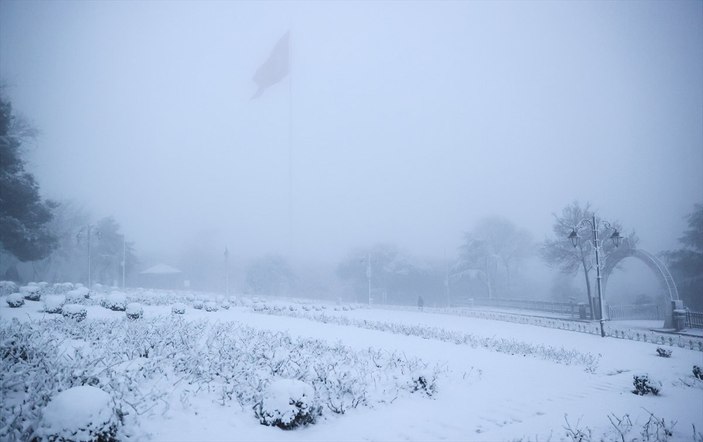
(615,237)
(367,261)
(88,231)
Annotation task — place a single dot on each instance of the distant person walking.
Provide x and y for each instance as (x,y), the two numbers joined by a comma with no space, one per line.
(420,303)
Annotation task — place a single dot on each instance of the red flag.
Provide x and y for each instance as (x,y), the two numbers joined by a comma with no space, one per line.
(275,68)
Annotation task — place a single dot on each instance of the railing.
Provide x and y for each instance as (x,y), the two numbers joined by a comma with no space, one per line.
(694,319)
(640,311)
(566,308)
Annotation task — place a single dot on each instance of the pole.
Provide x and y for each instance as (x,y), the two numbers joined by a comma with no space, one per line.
(368,274)
(226,272)
(598,277)
(446,279)
(124,259)
(290,145)
(89,251)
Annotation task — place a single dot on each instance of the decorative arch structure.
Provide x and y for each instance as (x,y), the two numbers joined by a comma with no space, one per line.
(657,266)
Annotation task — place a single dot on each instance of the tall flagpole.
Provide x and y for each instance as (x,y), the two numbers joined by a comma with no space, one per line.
(226,272)
(290,144)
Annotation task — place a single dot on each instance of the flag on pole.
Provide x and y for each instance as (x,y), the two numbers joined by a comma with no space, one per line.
(275,68)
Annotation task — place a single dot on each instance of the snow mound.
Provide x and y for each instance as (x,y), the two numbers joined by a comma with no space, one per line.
(74,311)
(134,310)
(287,404)
(54,303)
(211,306)
(15,300)
(116,301)
(82,413)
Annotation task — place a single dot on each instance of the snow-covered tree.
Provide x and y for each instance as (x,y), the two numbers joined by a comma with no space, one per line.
(23,214)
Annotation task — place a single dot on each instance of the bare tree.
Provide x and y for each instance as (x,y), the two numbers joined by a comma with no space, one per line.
(561,254)
(494,252)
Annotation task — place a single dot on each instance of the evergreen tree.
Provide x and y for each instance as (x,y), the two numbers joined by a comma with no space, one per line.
(23,214)
(687,262)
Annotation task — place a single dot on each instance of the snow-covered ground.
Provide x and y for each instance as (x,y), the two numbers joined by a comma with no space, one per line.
(494,380)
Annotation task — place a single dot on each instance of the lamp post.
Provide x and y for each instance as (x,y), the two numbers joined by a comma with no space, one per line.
(615,237)
(88,230)
(368,274)
(124,260)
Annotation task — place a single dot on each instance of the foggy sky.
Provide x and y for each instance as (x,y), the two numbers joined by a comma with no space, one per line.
(409,121)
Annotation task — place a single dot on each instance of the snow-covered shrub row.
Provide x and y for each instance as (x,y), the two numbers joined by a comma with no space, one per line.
(15,300)
(170,297)
(577,326)
(54,303)
(7,288)
(243,361)
(501,345)
(144,365)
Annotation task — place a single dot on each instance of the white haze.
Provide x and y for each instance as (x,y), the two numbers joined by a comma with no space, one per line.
(410,120)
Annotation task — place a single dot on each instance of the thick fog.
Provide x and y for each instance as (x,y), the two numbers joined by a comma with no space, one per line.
(399,122)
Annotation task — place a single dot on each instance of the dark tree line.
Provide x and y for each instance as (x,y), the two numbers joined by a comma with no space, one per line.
(24,216)
(686,263)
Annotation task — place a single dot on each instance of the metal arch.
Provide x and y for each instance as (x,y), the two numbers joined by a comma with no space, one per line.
(657,266)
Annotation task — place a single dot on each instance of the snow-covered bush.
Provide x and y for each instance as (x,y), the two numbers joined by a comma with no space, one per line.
(425,382)
(697,372)
(664,353)
(77,295)
(74,311)
(287,404)
(211,306)
(116,301)
(15,300)
(7,288)
(198,304)
(54,303)
(225,305)
(178,309)
(644,385)
(31,292)
(81,413)
(134,310)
